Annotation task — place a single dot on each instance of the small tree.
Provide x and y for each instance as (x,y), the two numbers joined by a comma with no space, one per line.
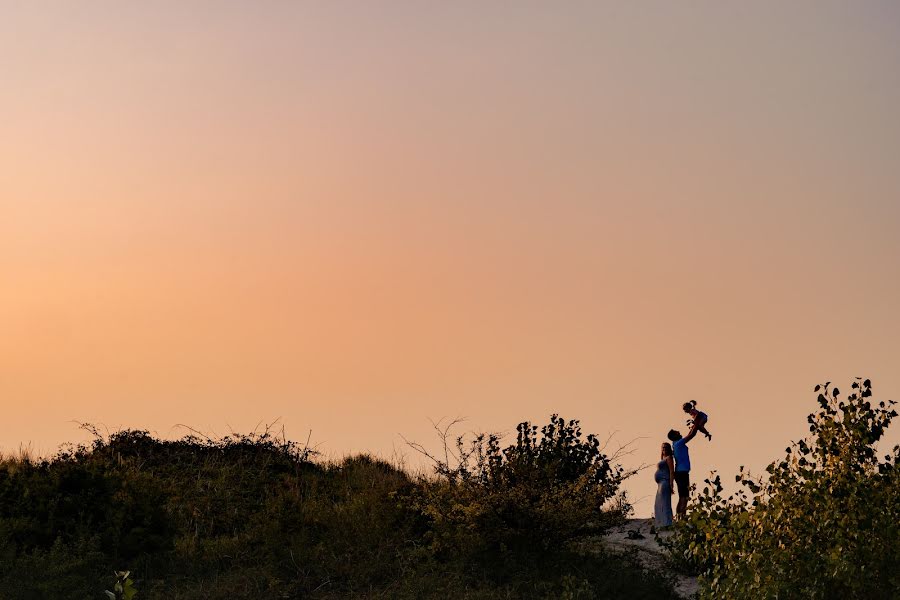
(825,523)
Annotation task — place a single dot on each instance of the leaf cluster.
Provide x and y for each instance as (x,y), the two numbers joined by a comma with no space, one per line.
(823,523)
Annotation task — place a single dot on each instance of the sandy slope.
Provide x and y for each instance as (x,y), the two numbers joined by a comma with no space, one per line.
(647,551)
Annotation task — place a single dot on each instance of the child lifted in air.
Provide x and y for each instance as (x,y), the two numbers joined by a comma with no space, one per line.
(698,418)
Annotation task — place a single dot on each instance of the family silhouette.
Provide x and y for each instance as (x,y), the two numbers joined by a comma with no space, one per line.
(675,466)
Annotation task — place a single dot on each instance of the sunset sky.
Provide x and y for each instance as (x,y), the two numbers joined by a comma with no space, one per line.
(359,216)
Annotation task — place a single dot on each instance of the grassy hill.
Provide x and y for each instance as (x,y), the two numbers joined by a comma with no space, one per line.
(541,516)
(255,516)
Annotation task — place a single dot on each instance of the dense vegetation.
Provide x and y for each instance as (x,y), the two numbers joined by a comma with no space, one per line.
(257,516)
(539,492)
(823,524)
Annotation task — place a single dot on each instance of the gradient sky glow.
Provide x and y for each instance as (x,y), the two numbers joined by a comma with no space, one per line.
(358,216)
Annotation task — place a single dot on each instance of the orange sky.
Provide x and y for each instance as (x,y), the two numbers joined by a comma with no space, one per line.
(357,218)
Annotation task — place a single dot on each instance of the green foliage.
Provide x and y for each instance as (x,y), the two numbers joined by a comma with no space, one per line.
(124,587)
(62,571)
(76,496)
(504,521)
(537,493)
(824,523)
(257,516)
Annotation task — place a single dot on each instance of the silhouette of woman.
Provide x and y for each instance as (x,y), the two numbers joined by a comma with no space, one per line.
(664,476)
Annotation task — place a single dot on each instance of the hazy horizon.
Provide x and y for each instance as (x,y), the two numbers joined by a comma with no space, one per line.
(359,217)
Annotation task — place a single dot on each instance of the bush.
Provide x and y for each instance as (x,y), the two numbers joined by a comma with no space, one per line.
(521,500)
(60,571)
(825,523)
(75,496)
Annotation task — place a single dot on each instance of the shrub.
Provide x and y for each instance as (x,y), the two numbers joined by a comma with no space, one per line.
(519,501)
(61,571)
(825,523)
(77,495)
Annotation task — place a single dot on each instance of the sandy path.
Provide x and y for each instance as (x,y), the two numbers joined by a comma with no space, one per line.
(647,551)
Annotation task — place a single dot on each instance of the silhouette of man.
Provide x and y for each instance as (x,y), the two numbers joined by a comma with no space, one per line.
(682,468)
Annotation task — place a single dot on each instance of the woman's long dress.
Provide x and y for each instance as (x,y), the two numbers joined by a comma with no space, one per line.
(662,510)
